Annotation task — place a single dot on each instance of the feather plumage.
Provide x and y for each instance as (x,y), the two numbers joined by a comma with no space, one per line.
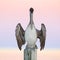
(41,34)
(19,32)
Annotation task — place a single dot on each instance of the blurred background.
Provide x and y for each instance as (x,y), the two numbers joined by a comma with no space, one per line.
(13,12)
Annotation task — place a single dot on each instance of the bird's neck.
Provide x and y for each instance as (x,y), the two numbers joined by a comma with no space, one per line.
(31,20)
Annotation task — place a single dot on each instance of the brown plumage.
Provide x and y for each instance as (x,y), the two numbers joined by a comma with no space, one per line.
(19,32)
(41,34)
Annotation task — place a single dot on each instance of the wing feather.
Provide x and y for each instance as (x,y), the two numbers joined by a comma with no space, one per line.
(41,34)
(19,32)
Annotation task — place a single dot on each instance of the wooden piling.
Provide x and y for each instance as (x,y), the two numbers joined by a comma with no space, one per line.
(30,53)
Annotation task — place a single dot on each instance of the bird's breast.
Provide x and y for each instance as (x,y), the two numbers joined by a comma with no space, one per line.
(30,35)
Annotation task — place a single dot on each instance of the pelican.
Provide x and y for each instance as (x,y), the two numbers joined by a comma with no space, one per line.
(31,34)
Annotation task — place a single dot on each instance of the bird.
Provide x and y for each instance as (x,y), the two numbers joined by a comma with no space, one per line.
(31,34)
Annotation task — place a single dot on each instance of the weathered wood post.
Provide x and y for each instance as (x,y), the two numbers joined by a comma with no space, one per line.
(30,53)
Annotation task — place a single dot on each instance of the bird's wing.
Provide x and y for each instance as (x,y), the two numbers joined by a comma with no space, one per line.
(19,32)
(41,34)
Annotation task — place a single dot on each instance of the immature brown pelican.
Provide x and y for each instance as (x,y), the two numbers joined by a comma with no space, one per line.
(31,34)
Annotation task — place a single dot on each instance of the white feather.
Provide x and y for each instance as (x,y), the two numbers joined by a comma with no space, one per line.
(30,36)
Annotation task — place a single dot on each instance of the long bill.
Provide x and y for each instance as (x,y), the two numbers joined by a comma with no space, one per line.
(31,19)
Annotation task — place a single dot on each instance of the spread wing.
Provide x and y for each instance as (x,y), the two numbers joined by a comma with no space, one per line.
(42,36)
(19,32)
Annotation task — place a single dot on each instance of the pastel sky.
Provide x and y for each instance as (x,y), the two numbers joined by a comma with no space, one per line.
(13,12)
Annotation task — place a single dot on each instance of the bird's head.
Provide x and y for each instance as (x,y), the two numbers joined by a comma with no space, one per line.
(31,10)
